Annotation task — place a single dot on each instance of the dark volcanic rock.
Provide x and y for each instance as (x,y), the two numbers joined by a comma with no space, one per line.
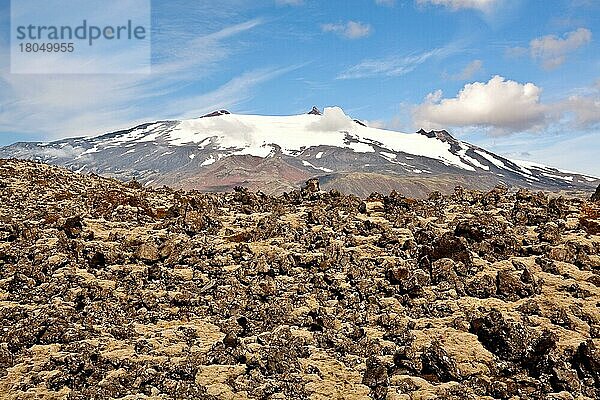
(312,186)
(437,362)
(596,195)
(112,290)
(506,339)
(216,114)
(315,111)
(587,363)
(376,373)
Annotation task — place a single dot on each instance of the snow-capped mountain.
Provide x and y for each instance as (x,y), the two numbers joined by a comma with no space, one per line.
(274,153)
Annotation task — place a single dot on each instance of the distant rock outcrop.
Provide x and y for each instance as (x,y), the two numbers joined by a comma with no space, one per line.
(596,196)
(312,185)
(216,114)
(442,135)
(315,111)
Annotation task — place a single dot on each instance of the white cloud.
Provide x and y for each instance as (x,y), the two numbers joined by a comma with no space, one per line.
(334,119)
(586,110)
(289,2)
(84,113)
(66,105)
(350,29)
(395,65)
(231,94)
(380,124)
(516,52)
(501,105)
(481,5)
(468,71)
(201,52)
(66,151)
(552,50)
(387,3)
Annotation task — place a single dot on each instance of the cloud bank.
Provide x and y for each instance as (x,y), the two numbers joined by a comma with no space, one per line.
(66,105)
(481,5)
(387,3)
(586,110)
(395,65)
(468,71)
(349,30)
(334,119)
(552,50)
(504,106)
(289,2)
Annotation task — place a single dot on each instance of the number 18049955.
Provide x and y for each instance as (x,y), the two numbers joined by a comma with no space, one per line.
(46,47)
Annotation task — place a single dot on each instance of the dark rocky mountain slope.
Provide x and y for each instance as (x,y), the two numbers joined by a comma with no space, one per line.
(276,154)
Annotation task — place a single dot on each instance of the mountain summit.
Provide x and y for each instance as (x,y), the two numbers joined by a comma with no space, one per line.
(315,111)
(221,150)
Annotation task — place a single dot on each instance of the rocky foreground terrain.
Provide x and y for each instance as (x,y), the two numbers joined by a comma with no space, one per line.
(111,290)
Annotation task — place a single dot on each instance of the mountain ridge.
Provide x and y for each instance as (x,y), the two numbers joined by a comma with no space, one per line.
(216,151)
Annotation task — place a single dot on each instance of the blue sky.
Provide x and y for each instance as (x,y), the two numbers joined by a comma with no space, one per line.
(519,77)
